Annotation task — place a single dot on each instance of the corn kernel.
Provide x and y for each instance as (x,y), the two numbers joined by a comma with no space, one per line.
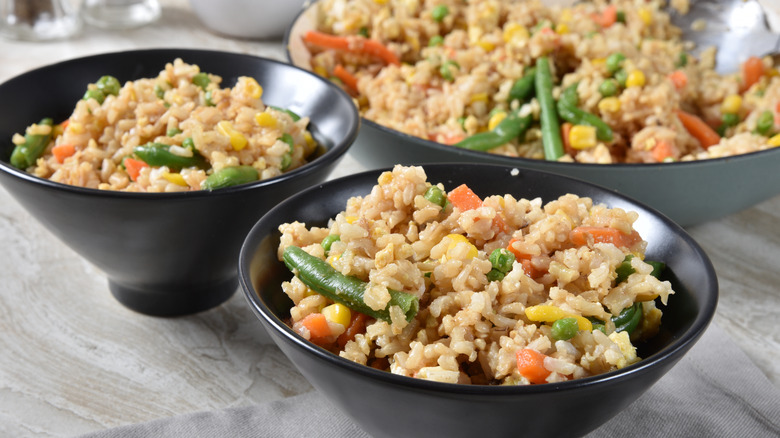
(609,105)
(310,142)
(495,119)
(646,16)
(772,72)
(309,292)
(582,137)
(75,128)
(254,89)
(486,45)
(562,28)
(350,219)
(514,32)
(321,71)
(237,139)
(479,97)
(635,79)
(731,104)
(332,259)
(266,120)
(550,313)
(775,141)
(175,178)
(338,313)
(566,15)
(598,62)
(380,2)
(455,239)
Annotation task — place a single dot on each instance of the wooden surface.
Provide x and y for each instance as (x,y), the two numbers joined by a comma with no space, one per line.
(73,360)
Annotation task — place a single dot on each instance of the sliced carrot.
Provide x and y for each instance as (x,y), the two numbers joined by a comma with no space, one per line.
(530,364)
(134,167)
(346,77)
(699,129)
(579,236)
(752,70)
(518,255)
(65,123)
(565,131)
(357,325)
(608,16)
(464,198)
(354,44)
(662,150)
(317,325)
(63,151)
(679,79)
(530,270)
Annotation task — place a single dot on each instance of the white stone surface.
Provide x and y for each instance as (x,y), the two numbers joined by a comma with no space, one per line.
(73,360)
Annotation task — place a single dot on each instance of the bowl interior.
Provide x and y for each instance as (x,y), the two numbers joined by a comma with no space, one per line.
(693,278)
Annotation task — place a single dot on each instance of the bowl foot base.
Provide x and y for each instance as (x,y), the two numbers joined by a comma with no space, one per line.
(176,300)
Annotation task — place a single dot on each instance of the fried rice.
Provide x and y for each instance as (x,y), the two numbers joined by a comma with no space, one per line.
(571,259)
(459,60)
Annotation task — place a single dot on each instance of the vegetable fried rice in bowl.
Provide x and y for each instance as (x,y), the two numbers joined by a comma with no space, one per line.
(476,299)
(153,164)
(602,91)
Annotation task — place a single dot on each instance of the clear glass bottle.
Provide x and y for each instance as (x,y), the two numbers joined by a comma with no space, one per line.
(120,14)
(38,20)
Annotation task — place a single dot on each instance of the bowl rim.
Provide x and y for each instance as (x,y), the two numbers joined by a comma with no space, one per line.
(330,156)
(559,166)
(671,352)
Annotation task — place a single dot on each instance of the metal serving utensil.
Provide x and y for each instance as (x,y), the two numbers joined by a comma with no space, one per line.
(738,28)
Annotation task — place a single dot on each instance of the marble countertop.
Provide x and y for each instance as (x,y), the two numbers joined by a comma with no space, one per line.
(73,360)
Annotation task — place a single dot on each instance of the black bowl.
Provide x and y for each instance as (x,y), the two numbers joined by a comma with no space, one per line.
(388,405)
(169,253)
(689,192)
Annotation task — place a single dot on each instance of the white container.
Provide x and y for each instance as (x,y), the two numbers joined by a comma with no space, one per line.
(251,19)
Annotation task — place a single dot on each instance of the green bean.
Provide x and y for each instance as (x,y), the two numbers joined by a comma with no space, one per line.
(523,88)
(511,127)
(439,13)
(208,98)
(94,94)
(682,60)
(188,143)
(202,80)
(295,117)
(322,278)
(551,127)
(108,85)
(628,319)
(159,154)
(172,132)
(765,122)
(327,242)
(614,62)
(363,31)
(565,329)
(567,109)
(24,155)
(621,16)
(624,269)
(435,40)
(159,91)
(609,88)
(435,195)
(230,176)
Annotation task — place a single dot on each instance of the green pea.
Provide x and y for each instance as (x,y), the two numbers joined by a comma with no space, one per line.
(202,80)
(614,62)
(502,259)
(207,98)
(287,138)
(188,143)
(109,85)
(765,123)
(439,12)
(609,87)
(621,16)
(435,195)
(363,31)
(565,329)
(172,132)
(730,119)
(95,94)
(446,70)
(159,91)
(682,60)
(286,161)
(436,40)
(495,275)
(327,242)
(621,76)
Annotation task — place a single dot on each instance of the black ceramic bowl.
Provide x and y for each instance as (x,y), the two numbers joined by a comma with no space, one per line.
(388,405)
(690,192)
(169,253)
